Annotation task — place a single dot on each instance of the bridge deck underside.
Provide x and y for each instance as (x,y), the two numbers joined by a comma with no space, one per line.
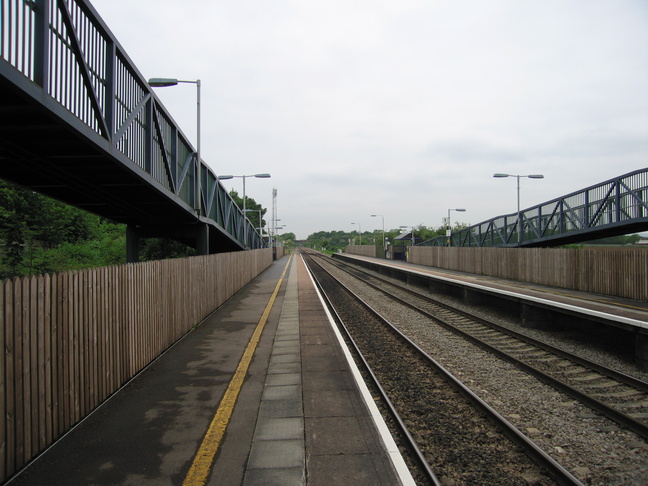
(41,148)
(622,228)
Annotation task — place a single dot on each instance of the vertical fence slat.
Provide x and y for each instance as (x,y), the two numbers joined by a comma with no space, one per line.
(61,370)
(19,373)
(33,363)
(11,373)
(94,343)
(39,322)
(77,348)
(68,350)
(48,335)
(27,369)
(103,334)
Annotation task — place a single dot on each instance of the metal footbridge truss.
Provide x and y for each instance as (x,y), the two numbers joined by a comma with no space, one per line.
(79,123)
(615,207)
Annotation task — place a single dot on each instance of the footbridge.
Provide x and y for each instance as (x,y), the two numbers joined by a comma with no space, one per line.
(611,208)
(79,123)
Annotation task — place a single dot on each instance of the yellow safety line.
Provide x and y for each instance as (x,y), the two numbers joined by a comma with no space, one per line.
(202,463)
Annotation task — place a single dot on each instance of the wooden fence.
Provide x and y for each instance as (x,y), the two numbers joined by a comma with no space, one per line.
(366,250)
(73,339)
(620,272)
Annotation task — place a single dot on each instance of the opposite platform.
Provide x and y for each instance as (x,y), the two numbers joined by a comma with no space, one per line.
(299,418)
(626,311)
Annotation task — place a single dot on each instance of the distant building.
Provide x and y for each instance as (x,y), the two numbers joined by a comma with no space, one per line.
(398,248)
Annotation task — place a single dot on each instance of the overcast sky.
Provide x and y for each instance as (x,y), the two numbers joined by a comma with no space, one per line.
(403,108)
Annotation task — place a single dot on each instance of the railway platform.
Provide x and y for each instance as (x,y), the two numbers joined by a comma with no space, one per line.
(538,306)
(628,311)
(261,392)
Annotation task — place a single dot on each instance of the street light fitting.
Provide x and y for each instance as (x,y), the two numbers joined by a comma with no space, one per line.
(162,82)
(530,176)
(258,176)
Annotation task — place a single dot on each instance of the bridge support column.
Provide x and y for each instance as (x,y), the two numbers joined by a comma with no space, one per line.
(132,244)
(202,239)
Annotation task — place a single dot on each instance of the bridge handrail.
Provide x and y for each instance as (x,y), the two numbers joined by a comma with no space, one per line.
(613,207)
(65,48)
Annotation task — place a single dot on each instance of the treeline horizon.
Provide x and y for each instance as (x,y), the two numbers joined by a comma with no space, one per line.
(39,235)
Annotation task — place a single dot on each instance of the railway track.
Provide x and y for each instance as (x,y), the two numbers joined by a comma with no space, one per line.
(460,439)
(621,398)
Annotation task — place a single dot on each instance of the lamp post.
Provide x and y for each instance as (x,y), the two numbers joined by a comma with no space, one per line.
(519,219)
(449,229)
(273,229)
(258,176)
(164,82)
(383,227)
(277,228)
(360,231)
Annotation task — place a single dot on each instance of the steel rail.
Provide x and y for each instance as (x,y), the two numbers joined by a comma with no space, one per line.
(612,413)
(609,372)
(539,456)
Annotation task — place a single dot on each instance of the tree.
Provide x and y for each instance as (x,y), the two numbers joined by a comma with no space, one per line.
(41,235)
(252,209)
(337,240)
(163,248)
(288,240)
